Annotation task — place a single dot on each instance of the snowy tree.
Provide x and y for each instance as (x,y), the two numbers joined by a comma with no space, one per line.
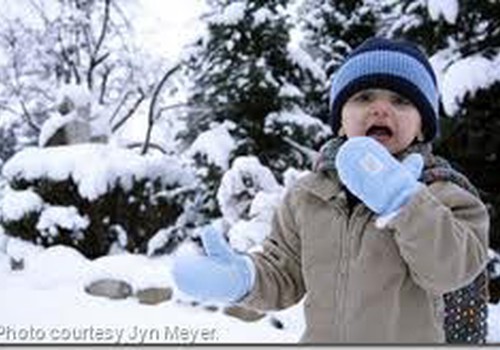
(243,71)
(72,65)
(333,28)
(246,71)
(330,30)
(8,145)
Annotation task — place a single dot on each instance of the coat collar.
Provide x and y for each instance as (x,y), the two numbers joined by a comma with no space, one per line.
(323,184)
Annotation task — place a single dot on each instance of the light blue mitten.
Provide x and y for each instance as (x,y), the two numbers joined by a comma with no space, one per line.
(373,175)
(220,275)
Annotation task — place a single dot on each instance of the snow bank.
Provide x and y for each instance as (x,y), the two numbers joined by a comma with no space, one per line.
(48,299)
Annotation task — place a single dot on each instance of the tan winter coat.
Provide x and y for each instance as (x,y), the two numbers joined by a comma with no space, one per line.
(363,284)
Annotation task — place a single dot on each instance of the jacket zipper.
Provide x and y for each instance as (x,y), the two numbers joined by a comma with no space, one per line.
(347,234)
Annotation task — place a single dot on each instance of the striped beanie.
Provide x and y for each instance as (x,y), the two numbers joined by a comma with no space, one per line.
(399,66)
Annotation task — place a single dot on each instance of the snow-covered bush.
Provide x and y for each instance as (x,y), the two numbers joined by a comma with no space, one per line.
(96,198)
(248,196)
(210,154)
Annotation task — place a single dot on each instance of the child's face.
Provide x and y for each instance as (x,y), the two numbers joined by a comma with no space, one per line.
(384,115)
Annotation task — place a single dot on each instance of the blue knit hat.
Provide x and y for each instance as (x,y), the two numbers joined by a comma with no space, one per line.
(399,66)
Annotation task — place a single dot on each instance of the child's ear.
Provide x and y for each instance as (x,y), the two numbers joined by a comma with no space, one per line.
(341,132)
(420,137)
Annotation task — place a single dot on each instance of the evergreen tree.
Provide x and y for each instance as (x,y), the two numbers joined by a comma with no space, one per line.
(245,71)
(331,29)
(470,120)
(410,19)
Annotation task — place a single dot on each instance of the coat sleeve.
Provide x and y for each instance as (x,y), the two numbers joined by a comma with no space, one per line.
(442,234)
(278,279)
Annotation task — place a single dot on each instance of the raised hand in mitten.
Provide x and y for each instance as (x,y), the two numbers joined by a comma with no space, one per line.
(378,179)
(220,275)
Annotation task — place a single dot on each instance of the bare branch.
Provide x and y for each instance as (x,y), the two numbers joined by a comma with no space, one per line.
(27,117)
(7,108)
(151,145)
(118,10)
(94,61)
(130,113)
(104,83)
(167,108)
(152,106)
(41,12)
(119,106)
(67,59)
(101,59)
(104,28)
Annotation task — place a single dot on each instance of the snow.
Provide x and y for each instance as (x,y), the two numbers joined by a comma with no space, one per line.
(290,90)
(15,204)
(79,95)
(248,235)
(240,185)
(45,302)
(68,218)
(216,144)
(262,15)
(51,125)
(179,24)
(103,167)
(304,60)
(447,8)
(495,257)
(230,15)
(466,76)
(285,120)
(59,311)
(291,175)
(494,324)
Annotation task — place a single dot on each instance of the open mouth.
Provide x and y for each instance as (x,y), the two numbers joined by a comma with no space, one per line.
(379,132)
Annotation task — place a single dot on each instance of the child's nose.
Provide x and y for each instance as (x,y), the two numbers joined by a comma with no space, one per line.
(380,107)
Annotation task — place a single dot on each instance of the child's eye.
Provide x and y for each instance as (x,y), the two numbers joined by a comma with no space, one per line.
(400,100)
(363,96)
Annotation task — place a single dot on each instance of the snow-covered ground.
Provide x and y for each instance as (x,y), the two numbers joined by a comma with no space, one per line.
(46,303)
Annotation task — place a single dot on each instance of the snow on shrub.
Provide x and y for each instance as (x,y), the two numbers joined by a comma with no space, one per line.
(248,197)
(95,198)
